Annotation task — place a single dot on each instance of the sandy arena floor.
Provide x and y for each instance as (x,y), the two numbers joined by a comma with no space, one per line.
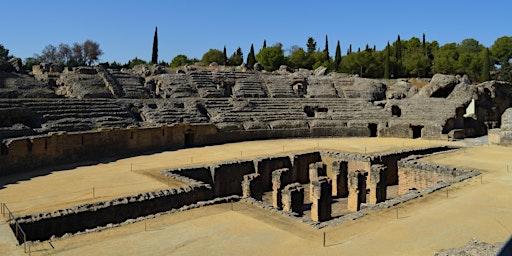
(471,210)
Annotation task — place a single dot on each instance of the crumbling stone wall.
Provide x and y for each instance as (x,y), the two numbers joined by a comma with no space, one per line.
(228,177)
(265,167)
(45,225)
(416,175)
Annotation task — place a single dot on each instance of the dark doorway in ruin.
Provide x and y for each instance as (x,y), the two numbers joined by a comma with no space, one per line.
(396,111)
(311,111)
(4,150)
(373,129)
(416,131)
(189,139)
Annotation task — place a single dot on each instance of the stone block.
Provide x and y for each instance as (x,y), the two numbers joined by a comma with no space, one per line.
(280,178)
(251,186)
(293,198)
(357,190)
(321,208)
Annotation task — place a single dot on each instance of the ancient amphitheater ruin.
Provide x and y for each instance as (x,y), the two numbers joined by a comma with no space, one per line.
(55,120)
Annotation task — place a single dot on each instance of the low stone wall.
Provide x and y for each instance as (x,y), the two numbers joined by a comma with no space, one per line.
(81,218)
(416,175)
(22,154)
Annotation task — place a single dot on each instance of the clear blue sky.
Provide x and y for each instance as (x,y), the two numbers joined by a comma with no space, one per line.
(124,29)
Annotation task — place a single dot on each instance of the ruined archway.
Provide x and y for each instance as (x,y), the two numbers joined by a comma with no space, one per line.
(396,111)
(416,131)
(373,129)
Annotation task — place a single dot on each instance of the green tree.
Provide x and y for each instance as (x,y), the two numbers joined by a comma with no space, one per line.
(326,49)
(213,55)
(298,59)
(264,44)
(226,60)
(180,60)
(30,62)
(501,52)
(154,55)
(4,52)
(337,57)
(414,60)
(398,57)
(237,58)
(311,45)
(386,62)
(446,59)
(271,58)
(136,61)
(486,69)
(470,59)
(251,58)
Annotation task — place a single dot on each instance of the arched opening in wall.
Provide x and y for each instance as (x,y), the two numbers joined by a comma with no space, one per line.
(131,135)
(4,150)
(189,138)
(396,111)
(45,144)
(312,111)
(448,126)
(373,129)
(443,92)
(416,131)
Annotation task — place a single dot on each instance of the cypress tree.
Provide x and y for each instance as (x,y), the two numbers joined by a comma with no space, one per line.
(398,56)
(251,58)
(337,57)
(326,49)
(225,57)
(486,72)
(350,49)
(311,45)
(386,63)
(264,44)
(154,56)
(424,45)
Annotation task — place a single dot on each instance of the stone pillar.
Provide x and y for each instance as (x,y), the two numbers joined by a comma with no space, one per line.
(293,198)
(339,178)
(377,182)
(251,186)
(356,190)
(280,178)
(322,199)
(315,170)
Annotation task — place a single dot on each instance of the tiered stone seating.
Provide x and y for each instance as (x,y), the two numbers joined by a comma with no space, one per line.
(270,111)
(176,86)
(344,88)
(133,86)
(420,109)
(250,87)
(321,87)
(279,86)
(76,115)
(166,112)
(203,81)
